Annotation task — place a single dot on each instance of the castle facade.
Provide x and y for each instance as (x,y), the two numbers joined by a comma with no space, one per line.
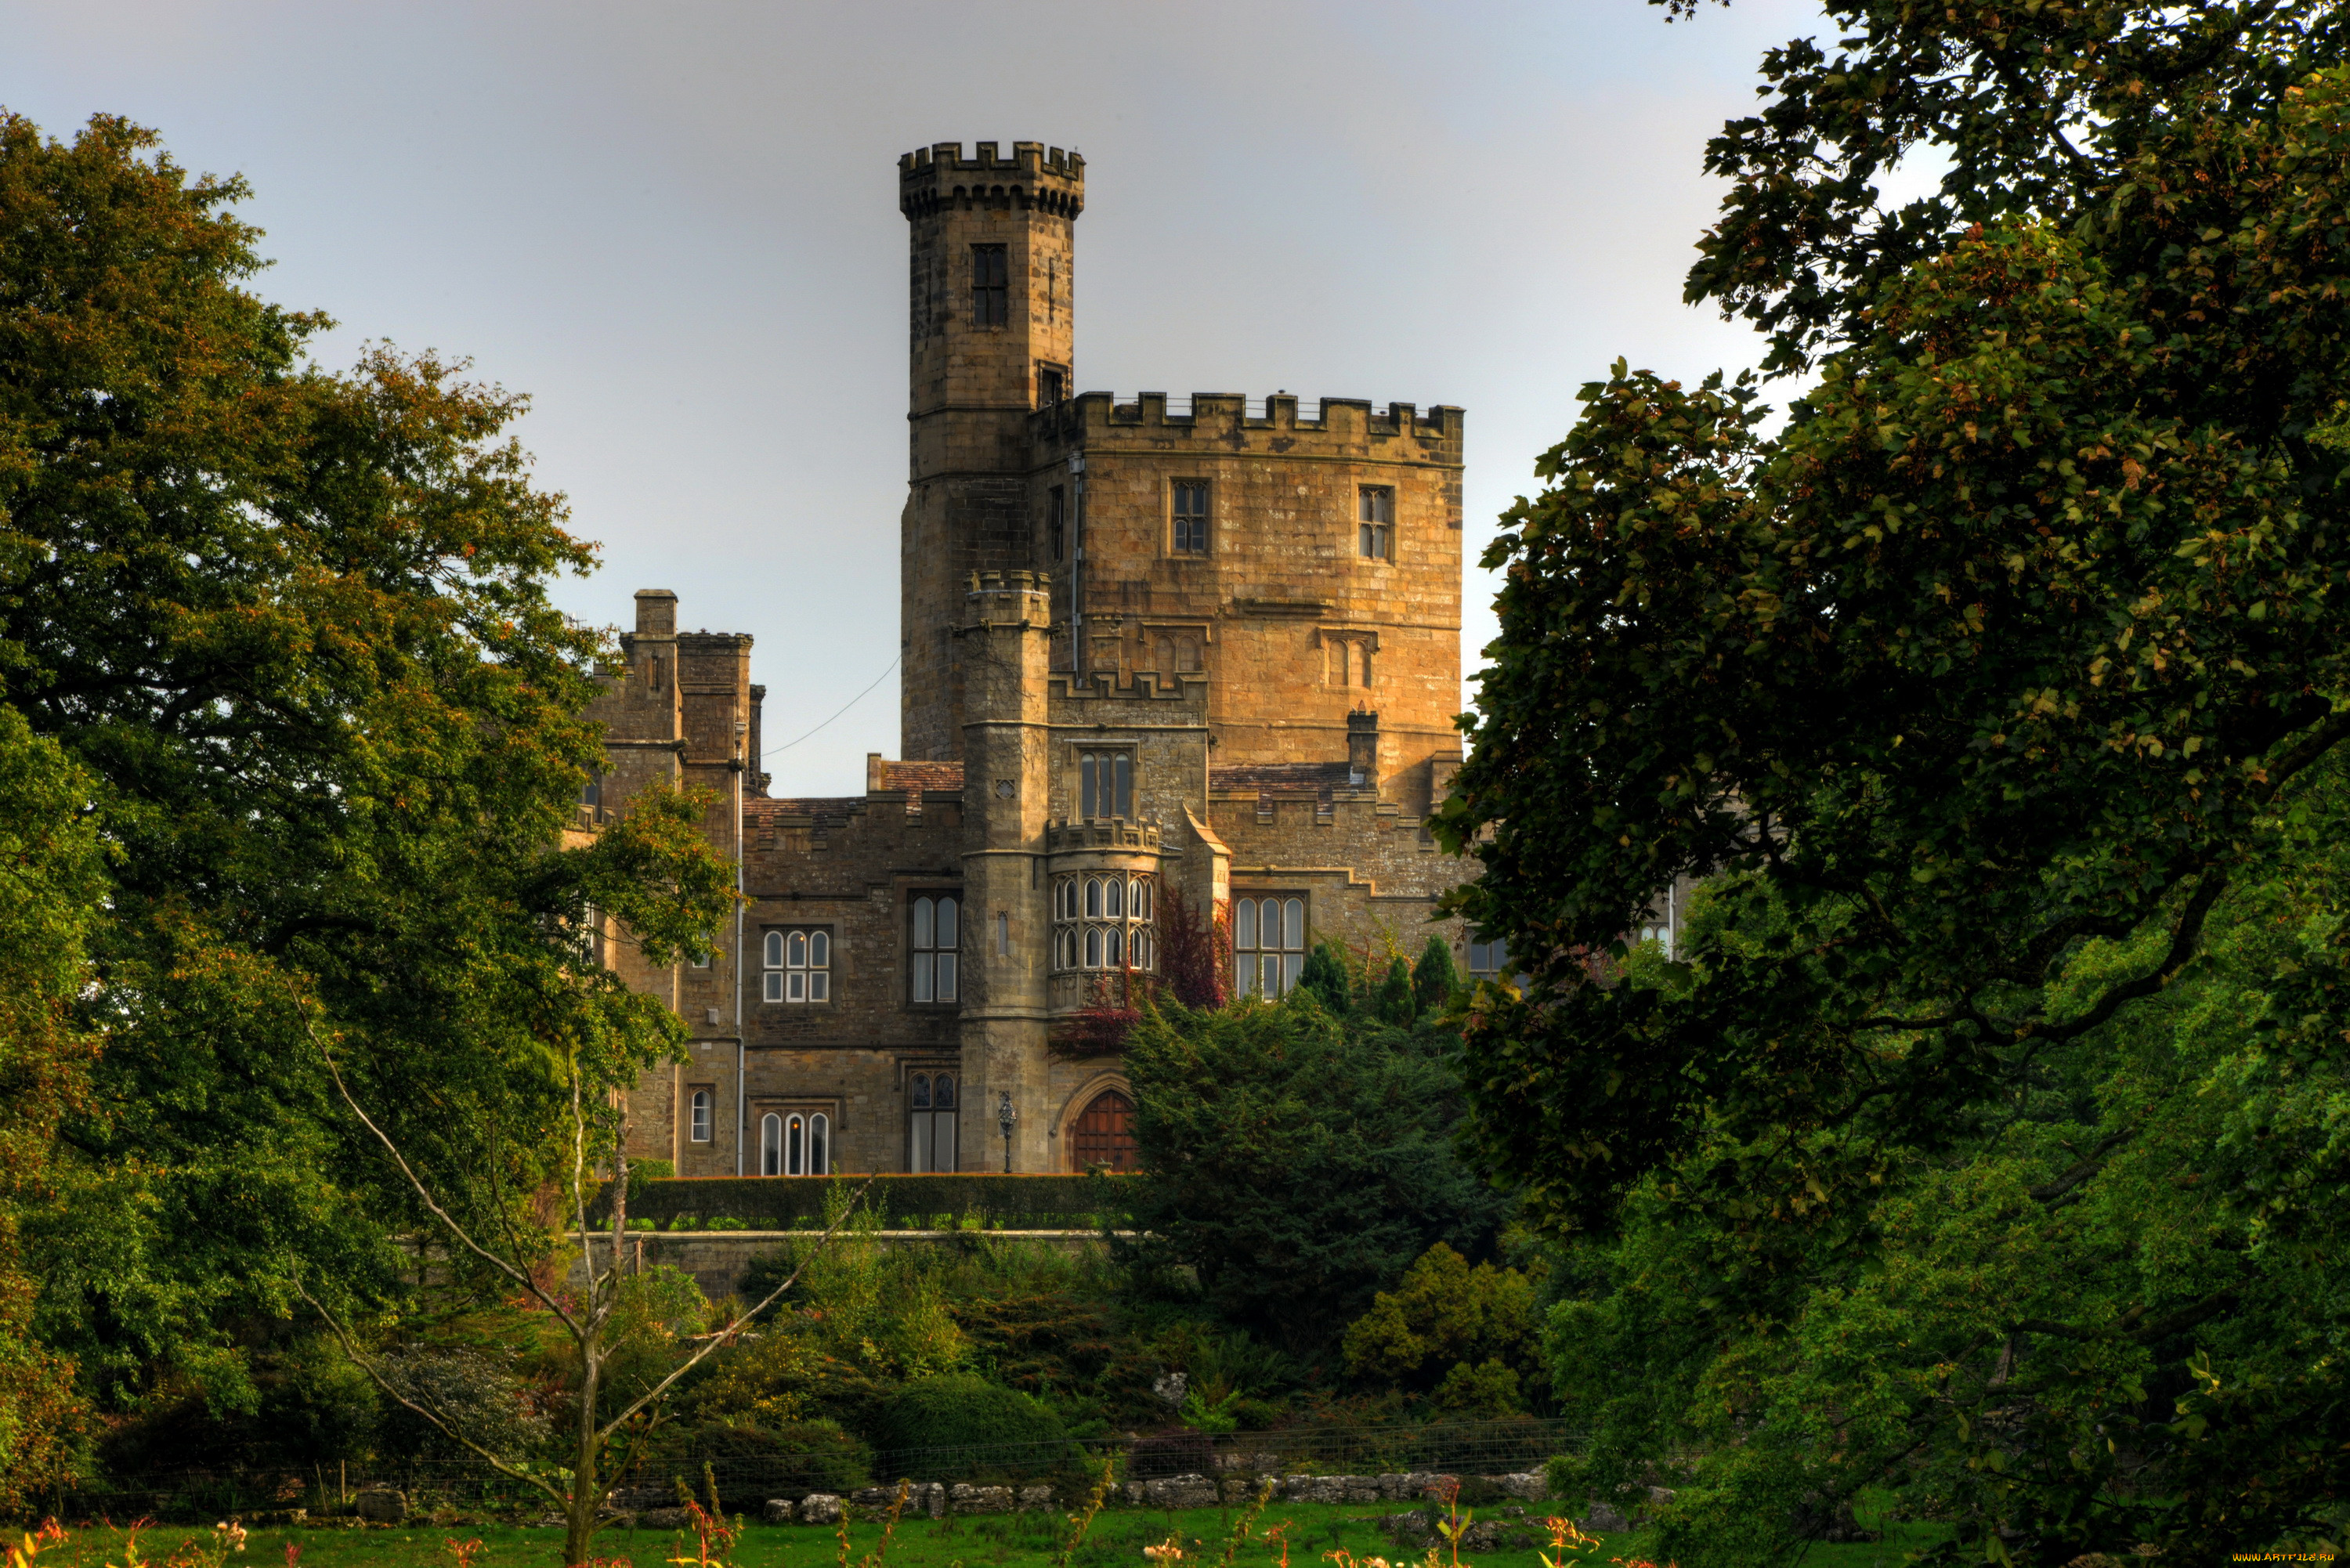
(1161,669)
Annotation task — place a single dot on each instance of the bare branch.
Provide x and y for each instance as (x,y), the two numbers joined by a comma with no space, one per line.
(351,1350)
(727,1335)
(520,1276)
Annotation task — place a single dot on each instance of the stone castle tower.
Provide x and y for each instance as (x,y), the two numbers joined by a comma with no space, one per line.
(1152,656)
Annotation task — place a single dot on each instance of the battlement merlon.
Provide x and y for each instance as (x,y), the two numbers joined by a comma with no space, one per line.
(1034,176)
(1093,418)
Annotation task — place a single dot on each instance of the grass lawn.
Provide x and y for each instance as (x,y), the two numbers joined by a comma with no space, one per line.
(996,1541)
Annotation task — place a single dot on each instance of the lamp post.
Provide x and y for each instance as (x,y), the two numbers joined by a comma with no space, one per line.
(1006,1113)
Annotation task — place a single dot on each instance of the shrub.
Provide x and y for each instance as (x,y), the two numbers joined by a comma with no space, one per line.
(1443,1312)
(755,1464)
(1180,1452)
(993,1428)
(1486,1390)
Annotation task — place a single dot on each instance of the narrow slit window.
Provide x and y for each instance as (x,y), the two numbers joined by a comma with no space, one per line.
(991,293)
(1190,517)
(1056,521)
(1378,523)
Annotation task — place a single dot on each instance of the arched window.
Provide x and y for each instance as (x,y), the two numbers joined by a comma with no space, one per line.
(698,1117)
(1268,944)
(1104,1134)
(930,1122)
(1103,921)
(795,1143)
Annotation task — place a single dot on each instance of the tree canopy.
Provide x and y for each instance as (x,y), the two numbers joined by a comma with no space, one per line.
(290,630)
(1297,1160)
(1999,687)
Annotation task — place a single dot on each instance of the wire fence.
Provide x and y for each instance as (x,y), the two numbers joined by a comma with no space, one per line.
(257,1492)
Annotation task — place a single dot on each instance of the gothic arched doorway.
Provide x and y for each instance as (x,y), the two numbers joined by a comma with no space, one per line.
(1103,1134)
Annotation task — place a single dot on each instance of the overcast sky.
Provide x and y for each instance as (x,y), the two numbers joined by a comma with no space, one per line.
(675,226)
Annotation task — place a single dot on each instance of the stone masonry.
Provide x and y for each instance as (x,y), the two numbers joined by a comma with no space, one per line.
(1150,655)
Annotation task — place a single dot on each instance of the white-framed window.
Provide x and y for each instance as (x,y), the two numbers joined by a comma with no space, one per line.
(1659,932)
(930,1111)
(1268,942)
(697,1116)
(798,966)
(795,1143)
(1377,523)
(1105,783)
(1105,919)
(934,939)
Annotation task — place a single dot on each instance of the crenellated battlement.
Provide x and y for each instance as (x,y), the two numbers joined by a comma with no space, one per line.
(1142,687)
(1034,177)
(1219,416)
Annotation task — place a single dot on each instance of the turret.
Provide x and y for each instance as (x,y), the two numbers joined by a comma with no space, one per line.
(990,333)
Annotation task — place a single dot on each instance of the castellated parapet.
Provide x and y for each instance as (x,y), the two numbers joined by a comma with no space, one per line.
(1034,176)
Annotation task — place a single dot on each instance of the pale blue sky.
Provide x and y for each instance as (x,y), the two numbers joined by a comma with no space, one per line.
(675,226)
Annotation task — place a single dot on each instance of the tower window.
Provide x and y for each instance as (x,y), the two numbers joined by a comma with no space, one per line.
(1377,508)
(934,948)
(798,967)
(1052,385)
(1190,535)
(698,1117)
(990,292)
(1105,784)
(1057,520)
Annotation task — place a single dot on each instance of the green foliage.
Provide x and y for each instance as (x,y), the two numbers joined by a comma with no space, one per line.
(1979,1138)
(1433,978)
(51,884)
(292,630)
(1397,1004)
(1486,1390)
(1296,1161)
(1470,1329)
(1328,977)
(959,1410)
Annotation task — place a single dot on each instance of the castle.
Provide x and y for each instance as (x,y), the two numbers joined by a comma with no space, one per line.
(1153,663)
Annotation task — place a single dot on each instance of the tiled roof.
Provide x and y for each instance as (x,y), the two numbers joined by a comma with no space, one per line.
(921,777)
(1279,780)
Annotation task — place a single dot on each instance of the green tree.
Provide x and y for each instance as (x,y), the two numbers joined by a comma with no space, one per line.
(1992,687)
(1295,1161)
(1433,978)
(52,885)
(292,629)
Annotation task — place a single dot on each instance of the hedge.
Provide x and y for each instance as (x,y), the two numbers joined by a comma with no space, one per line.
(906,1202)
